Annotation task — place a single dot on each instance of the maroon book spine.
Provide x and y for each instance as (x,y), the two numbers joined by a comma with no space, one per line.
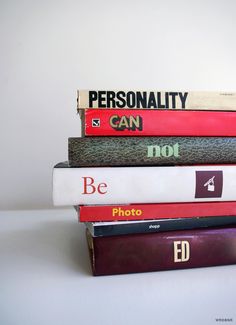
(162,251)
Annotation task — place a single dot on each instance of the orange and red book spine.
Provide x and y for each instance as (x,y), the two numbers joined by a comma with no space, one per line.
(92,213)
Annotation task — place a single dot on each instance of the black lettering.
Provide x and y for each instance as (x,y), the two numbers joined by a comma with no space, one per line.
(183,98)
(173,95)
(121,103)
(101,99)
(152,101)
(167,99)
(141,99)
(93,96)
(159,104)
(110,99)
(130,97)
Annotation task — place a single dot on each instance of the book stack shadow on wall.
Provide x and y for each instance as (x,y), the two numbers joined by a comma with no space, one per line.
(153,178)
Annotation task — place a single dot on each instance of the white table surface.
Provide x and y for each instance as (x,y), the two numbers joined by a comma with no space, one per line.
(45,278)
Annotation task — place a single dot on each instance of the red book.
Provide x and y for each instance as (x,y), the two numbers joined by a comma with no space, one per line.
(90,213)
(162,251)
(131,122)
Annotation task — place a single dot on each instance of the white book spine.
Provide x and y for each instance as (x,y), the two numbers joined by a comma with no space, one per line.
(193,100)
(124,185)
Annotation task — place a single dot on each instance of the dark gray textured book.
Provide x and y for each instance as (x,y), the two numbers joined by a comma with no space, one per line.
(150,151)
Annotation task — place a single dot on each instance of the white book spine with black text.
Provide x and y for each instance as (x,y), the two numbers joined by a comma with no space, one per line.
(123,185)
(154,99)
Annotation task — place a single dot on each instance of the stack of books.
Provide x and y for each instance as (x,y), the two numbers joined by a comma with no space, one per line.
(153,178)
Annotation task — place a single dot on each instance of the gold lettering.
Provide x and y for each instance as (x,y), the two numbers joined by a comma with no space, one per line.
(113,121)
(119,212)
(181,251)
(123,123)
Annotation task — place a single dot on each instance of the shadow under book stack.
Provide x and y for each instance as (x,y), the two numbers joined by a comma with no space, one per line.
(153,178)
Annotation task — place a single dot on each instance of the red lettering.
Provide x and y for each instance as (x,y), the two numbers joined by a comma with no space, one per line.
(86,185)
(102,185)
(89,188)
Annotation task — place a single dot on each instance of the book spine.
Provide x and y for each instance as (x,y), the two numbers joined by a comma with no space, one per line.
(131,99)
(88,213)
(135,227)
(150,151)
(162,251)
(125,185)
(115,122)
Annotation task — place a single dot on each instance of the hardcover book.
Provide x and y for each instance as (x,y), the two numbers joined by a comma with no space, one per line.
(162,251)
(115,122)
(150,151)
(124,185)
(146,226)
(195,100)
(155,211)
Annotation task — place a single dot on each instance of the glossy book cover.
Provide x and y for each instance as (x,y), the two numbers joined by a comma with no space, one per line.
(120,122)
(92,213)
(162,251)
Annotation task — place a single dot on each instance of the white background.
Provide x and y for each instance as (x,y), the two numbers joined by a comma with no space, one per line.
(51,48)
(48,49)
(46,279)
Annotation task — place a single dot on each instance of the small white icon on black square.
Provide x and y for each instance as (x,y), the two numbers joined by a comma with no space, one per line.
(209,183)
(96,122)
